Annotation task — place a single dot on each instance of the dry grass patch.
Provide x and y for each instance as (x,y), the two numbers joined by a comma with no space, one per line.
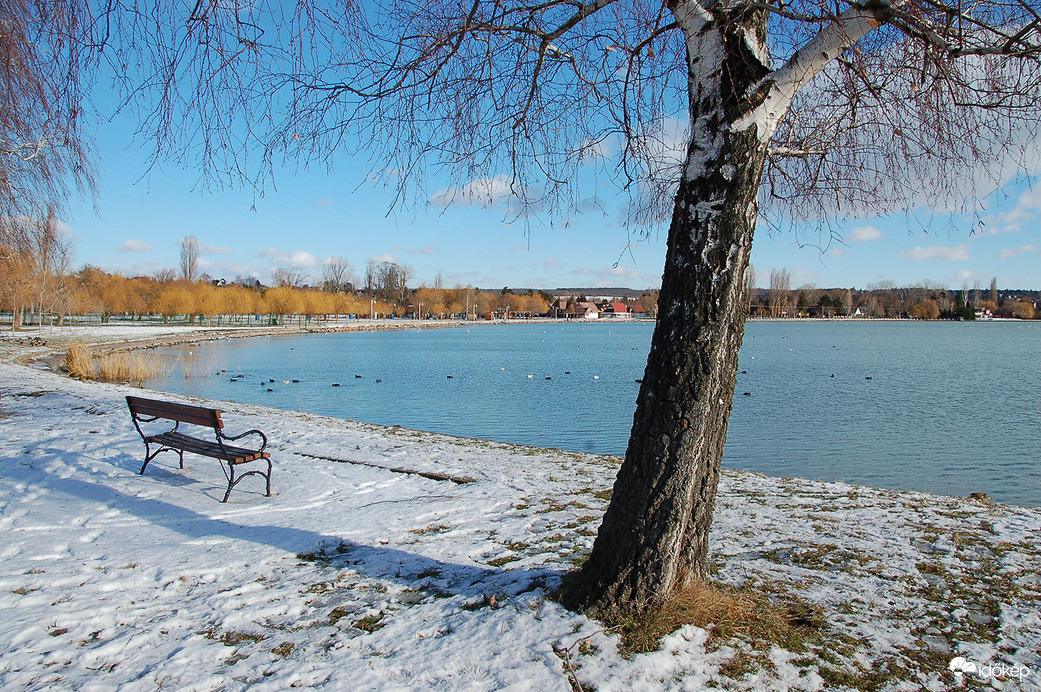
(728,613)
(284,650)
(370,623)
(232,638)
(114,367)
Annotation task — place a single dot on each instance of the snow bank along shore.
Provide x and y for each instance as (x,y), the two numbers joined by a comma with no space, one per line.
(356,577)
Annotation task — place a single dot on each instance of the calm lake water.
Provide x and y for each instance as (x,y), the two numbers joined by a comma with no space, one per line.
(948,408)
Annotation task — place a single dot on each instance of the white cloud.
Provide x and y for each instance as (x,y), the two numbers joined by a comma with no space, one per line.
(658,156)
(618,272)
(621,271)
(23,220)
(1010,252)
(303,260)
(135,246)
(205,249)
(1024,214)
(228,269)
(838,252)
(805,276)
(863,234)
(143,267)
(484,192)
(595,149)
(965,275)
(958,253)
(297,259)
(589,205)
(461,278)
(425,250)
(385,257)
(668,147)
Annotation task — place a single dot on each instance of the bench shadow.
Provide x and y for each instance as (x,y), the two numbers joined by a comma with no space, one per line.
(377,562)
(164,468)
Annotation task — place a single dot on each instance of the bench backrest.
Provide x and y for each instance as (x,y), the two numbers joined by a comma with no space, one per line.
(183,413)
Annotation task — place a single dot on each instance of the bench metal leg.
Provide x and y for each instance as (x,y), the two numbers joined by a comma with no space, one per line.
(149,455)
(148,458)
(232,481)
(230,472)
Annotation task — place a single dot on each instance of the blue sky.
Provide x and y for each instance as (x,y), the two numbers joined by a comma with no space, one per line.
(309,215)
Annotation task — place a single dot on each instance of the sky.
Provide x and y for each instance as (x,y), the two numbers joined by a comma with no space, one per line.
(308,215)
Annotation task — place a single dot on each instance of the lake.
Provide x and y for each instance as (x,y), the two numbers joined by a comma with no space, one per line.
(947,408)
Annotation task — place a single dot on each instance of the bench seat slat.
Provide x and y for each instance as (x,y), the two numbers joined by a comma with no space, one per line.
(235,455)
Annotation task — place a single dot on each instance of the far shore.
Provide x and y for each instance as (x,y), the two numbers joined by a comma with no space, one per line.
(127,336)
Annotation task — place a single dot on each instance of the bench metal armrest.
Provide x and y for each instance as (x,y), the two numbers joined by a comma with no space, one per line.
(138,419)
(248,432)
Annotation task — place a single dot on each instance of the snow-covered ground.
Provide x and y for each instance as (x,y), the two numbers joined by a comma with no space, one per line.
(354,576)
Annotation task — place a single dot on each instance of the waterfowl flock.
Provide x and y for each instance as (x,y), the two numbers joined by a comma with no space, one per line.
(266,384)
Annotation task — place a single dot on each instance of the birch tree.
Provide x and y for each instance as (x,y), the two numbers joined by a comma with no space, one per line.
(705,111)
(780,292)
(190,258)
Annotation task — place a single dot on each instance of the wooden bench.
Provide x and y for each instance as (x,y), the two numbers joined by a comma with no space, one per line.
(149,410)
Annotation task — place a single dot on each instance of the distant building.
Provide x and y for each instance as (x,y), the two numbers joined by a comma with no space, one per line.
(583,310)
(616,311)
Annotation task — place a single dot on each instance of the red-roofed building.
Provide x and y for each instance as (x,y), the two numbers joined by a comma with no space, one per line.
(616,311)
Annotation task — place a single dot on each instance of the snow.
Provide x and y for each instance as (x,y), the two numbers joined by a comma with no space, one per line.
(758,48)
(357,577)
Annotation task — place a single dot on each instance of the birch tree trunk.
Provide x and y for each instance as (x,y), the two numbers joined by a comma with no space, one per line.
(654,537)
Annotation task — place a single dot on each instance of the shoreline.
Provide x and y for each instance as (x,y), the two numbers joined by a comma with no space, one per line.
(164,336)
(52,357)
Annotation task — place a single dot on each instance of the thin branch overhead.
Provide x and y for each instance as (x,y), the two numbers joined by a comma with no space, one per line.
(474,89)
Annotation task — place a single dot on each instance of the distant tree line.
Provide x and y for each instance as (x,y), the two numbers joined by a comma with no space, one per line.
(927,300)
(38,286)
(100,295)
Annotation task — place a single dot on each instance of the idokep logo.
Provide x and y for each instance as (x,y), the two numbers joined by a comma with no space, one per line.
(984,671)
(959,666)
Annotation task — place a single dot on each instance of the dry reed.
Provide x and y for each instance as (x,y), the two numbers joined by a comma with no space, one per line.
(114,367)
(79,362)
